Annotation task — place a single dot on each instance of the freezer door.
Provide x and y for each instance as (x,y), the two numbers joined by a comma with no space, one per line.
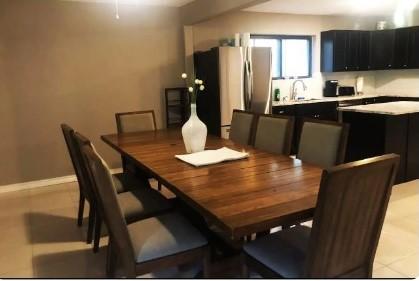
(261,101)
(231,82)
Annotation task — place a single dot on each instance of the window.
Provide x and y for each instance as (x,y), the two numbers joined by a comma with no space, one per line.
(291,55)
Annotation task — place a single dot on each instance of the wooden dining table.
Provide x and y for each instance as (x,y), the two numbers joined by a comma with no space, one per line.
(239,197)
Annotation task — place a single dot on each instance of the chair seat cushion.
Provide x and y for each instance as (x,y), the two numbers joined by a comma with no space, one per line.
(283,252)
(142,203)
(162,236)
(125,181)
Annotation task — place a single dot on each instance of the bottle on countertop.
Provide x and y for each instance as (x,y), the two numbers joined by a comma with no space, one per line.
(277,94)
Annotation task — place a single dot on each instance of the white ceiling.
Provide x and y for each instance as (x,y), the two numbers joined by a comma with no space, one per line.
(168,3)
(335,7)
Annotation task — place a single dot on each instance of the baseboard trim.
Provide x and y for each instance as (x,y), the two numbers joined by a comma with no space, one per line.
(43,183)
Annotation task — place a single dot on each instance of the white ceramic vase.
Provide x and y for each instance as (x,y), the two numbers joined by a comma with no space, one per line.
(194,133)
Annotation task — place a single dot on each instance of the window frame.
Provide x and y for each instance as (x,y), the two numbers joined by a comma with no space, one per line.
(280,38)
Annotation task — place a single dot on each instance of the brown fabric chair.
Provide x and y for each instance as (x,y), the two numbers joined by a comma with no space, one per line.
(323,143)
(147,245)
(242,126)
(274,133)
(131,122)
(348,219)
(140,202)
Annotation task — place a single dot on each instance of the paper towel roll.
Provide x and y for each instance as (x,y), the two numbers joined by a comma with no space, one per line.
(360,85)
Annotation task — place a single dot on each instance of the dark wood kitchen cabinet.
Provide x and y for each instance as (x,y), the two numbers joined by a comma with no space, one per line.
(414,47)
(340,50)
(402,48)
(364,50)
(353,50)
(382,49)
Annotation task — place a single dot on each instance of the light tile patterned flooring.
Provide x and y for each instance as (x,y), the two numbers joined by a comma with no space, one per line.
(39,237)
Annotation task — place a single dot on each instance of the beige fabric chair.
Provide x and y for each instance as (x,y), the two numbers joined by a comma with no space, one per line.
(147,245)
(138,201)
(274,134)
(137,121)
(241,128)
(323,143)
(348,219)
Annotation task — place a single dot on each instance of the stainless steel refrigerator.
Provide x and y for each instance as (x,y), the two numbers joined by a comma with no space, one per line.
(236,78)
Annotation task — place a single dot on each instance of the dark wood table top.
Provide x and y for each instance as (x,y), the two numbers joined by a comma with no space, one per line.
(240,197)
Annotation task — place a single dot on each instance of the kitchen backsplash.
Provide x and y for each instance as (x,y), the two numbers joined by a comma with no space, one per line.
(402,82)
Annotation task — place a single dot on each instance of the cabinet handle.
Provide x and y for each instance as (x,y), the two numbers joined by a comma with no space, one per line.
(389,65)
(281,112)
(317,116)
(405,65)
(346,67)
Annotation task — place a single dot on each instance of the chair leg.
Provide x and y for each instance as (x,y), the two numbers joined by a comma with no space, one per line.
(110,260)
(207,263)
(81,210)
(244,267)
(90,227)
(98,230)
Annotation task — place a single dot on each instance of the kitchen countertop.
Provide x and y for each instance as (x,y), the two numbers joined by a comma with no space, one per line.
(331,99)
(390,108)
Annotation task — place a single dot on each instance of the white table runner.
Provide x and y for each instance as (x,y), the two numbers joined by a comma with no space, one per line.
(210,157)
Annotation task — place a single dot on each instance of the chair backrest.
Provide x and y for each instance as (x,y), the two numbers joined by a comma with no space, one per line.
(80,141)
(323,143)
(349,216)
(137,121)
(68,133)
(110,209)
(242,125)
(274,133)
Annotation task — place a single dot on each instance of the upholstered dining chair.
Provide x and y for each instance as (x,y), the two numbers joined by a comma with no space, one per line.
(147,245)
(136,198)
(83,189)
(131,122)
(242,125)
(348,219)
(274,133)
(323,143)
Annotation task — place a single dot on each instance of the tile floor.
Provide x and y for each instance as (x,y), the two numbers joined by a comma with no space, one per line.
(39,237)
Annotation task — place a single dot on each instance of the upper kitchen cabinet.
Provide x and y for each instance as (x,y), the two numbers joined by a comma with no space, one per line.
(402,48)
(364,50)
(352,50)
(341,50)
(382,49)
(414,47)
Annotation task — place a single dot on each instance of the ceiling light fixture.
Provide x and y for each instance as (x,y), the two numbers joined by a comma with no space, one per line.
(117,9)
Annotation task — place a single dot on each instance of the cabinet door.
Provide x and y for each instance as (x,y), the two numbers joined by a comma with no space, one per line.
(401,48)
(352,51)
(382,49)
(339,51)
(364,50)
(414,47)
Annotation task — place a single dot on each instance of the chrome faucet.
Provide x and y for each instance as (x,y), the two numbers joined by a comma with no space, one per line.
(294,88)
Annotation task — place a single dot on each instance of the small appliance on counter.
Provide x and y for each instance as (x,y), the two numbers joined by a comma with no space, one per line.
(346,91)
(331,88)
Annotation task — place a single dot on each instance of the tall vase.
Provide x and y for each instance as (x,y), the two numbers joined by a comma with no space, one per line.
(194,133)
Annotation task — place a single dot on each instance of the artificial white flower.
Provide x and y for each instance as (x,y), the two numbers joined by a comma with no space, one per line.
(201,82)
(184,75)
(190,90)
(197,81)
(202,87)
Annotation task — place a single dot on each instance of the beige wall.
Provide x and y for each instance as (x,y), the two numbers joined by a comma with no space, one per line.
(207,34)
(74,62)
